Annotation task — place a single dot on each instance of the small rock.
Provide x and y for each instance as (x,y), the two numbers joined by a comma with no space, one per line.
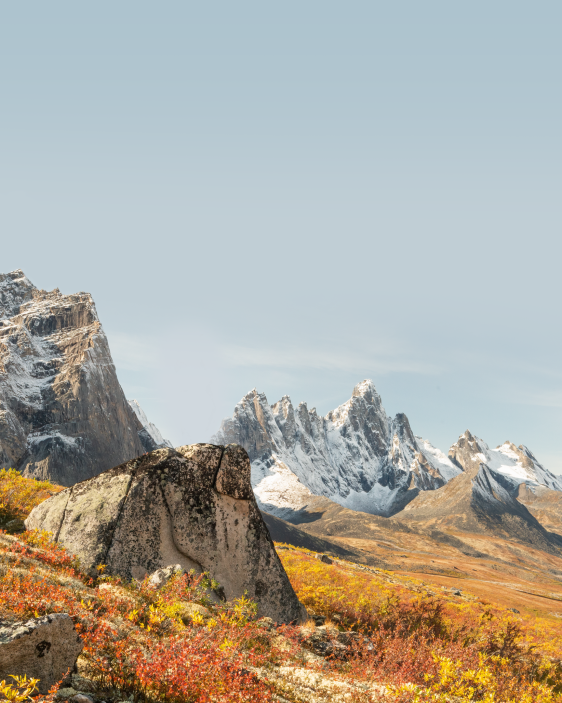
(266,624)
(189,611)
(322,642)
(456,592)
(514,610)
(42,648)
(81,683)
(324,558)
(65,694)
(318,620)
(15,526)
(81,698)
(161,576)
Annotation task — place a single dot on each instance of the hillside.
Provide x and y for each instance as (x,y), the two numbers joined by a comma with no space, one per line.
(372,633)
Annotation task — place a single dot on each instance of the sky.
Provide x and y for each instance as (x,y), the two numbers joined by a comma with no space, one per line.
(297,196)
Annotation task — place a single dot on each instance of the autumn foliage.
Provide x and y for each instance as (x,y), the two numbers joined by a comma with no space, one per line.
(427,647)
(18,495)
(419,644)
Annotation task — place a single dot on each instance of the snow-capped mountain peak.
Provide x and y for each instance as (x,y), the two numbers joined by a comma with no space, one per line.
(356,455)
(518,464)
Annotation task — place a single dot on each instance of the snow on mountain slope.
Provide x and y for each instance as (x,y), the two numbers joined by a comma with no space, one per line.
(356,455)
(518,464)
(150,435)
(63,414)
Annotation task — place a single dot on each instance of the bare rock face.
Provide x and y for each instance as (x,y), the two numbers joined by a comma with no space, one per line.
(63,414)
(193,507)
(42,648)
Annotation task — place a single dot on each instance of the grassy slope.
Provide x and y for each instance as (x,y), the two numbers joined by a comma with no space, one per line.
(415,639)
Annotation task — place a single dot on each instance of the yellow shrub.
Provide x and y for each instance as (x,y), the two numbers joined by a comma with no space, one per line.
(19,495)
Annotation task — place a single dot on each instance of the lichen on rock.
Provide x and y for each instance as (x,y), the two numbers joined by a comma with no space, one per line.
(193,507)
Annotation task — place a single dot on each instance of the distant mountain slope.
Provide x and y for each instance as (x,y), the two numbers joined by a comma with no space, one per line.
(485,496)
(63,414)
(356,455)
(149,435)
(282,531)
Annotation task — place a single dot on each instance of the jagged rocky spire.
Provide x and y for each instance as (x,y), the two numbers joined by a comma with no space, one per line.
(356,455)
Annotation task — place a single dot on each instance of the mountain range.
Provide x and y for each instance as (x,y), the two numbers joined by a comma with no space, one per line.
(363,460)
(355,482)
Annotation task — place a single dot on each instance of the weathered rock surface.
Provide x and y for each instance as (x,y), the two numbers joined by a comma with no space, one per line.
(43,648)
(161,576)
(63,414)
(192,506)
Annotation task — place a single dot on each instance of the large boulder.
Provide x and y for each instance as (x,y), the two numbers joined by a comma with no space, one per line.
(193,506)
(42,648)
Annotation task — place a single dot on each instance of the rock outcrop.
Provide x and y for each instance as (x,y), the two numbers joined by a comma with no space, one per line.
(192,506)
(42,648)
(356,455)
(63,414)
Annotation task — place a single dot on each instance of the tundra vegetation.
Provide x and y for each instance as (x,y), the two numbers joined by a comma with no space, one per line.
(413,642)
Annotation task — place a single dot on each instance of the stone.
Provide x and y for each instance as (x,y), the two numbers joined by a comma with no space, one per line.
(194,611)
(164,509)
(81,698)
(233,476)
(324,558)
(161,576)
(42,648)
(266,624)
(81,683)
(328,641)
(322,641)
(65,694)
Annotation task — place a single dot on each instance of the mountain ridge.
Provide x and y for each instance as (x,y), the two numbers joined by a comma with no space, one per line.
(355,454)
(300,459)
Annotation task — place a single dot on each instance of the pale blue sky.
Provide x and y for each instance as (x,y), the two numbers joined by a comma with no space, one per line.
(296,196)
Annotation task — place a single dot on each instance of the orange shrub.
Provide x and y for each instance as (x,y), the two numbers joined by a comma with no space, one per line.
(134,643)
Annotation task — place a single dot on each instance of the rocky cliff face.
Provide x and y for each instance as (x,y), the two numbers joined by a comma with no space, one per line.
(63,414)
(517,464)
(356,455)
